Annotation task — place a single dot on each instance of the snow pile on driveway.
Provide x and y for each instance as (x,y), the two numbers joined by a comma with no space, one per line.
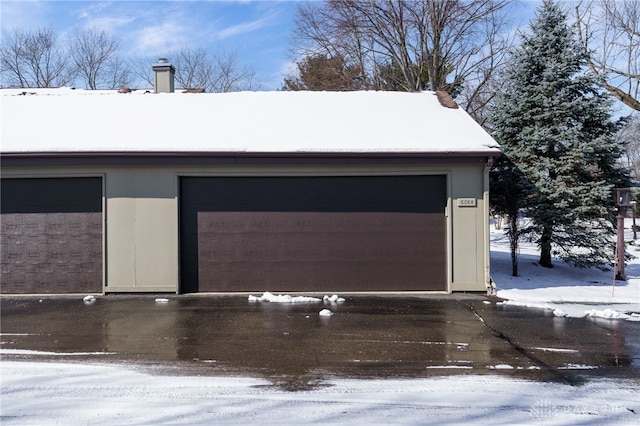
(286,298)
(564,290)
(283,298)
(333,299)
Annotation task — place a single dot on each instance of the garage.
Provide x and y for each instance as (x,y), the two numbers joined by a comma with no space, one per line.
(313,233)
(299,191)
(51,235)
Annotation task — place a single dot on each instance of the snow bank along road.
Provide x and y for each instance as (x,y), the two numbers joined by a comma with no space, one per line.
(37,393)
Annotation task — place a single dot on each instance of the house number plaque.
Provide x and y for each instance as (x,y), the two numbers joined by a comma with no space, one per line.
(466,202)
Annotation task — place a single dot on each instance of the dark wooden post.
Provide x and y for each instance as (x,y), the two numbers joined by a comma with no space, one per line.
(623,200)
(635,229)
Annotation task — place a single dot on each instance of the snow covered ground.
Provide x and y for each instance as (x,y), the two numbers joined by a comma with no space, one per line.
(76,394)
(48,393)
(565,290)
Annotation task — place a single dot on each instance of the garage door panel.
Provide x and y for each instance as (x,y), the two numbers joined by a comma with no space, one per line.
(323,236)
(56,259)
(357,277)
(48,247)
(315,234)
(352,251)
(259,223)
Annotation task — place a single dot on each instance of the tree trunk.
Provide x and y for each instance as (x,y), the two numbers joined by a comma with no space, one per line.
(514,260)
(514,239)
(545,249)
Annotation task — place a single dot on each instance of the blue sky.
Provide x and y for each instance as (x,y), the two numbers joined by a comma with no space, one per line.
(258,30)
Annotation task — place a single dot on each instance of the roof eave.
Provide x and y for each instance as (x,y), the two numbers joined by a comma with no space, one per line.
(190,158)
(225,154)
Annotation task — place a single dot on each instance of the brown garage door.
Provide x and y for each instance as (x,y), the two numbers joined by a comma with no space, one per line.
(51,235)
(364,233)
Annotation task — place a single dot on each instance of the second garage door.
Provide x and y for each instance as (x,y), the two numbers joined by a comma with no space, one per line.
(313,234)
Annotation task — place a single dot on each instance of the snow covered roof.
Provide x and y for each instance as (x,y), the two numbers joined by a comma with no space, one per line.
(65,120)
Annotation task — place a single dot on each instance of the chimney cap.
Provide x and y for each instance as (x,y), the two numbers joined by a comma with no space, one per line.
(163,64)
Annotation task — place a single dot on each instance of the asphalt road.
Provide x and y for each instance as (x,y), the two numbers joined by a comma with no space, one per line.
(295,348)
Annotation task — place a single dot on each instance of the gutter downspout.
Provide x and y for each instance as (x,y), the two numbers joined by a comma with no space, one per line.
(487,233)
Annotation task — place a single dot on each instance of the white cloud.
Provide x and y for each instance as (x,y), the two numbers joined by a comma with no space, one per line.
(154,39)
(105,15)
(243,28)
(96,7)
(109,23)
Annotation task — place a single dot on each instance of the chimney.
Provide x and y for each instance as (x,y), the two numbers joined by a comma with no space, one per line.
(163,76)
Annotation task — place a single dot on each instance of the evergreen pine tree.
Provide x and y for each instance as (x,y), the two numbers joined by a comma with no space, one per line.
(556,127)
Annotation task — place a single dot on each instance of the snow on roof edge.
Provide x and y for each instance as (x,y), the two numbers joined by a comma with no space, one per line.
(268,123)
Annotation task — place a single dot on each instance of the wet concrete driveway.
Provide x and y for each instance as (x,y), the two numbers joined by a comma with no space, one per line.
(295,348)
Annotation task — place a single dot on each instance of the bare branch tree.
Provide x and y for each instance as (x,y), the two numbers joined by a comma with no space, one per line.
(610,32)
(230,76)
(198,68)
(33,59)
(95,55)
(629,137)
(14,71)
(483,81)
(333,32)
(141,72)
(193,68)
(117,74)
(447,45)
